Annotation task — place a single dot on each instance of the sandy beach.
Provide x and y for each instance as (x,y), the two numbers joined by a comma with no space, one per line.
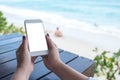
(79,46)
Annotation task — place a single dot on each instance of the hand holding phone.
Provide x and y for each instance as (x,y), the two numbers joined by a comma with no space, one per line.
(36,37)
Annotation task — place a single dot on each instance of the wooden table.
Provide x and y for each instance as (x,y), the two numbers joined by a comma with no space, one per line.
(9,44)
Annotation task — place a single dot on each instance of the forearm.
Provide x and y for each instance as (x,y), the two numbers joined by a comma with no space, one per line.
(67,73)
(21,75)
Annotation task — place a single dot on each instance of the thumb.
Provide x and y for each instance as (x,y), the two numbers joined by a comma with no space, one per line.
(49,42)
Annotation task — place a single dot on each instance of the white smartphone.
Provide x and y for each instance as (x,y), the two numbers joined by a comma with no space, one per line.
(36,37)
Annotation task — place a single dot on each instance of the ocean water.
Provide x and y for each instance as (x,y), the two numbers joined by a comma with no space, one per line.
(100,16)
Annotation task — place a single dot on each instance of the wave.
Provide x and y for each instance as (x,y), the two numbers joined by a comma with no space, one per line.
(59,20)
(4,1)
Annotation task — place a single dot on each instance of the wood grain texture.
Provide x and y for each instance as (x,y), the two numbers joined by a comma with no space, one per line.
(10,36)
(81,64)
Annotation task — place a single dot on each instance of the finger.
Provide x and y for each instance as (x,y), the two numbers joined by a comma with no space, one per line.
(25,45)
(49,41)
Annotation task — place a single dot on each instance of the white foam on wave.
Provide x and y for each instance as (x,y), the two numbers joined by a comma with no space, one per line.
(59,20)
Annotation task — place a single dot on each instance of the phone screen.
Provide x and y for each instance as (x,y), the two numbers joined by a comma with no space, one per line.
(36,36)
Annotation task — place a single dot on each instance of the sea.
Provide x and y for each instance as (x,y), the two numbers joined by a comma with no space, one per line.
(72,16)
(99,13)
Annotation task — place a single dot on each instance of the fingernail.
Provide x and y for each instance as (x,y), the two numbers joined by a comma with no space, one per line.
(47,34)
(23,37)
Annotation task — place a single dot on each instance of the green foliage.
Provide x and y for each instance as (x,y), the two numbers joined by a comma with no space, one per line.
(107,65)
(5,28)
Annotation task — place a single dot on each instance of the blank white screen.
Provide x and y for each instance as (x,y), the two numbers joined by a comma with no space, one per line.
(36,37)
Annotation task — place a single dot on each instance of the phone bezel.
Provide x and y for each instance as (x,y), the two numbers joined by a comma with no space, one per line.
(35,53)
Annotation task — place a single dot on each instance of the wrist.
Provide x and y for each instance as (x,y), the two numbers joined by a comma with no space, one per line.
(23,72)
(57,66)
(25,69)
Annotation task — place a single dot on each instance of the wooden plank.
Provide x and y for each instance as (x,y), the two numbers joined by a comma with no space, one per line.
(11,55)
(7,68)
(12,40)
(37,74)
(11,66)
(7,77)
(8,56)
(9,36)
(39,71)
(80,64)
(60,50)
(10,43)
(51,76)
(10,47)
(90,70)
(67,56)
(44,70)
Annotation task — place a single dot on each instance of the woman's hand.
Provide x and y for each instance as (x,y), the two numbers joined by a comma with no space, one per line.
(53,62)
(24,59)
(52,59)
(25,63)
